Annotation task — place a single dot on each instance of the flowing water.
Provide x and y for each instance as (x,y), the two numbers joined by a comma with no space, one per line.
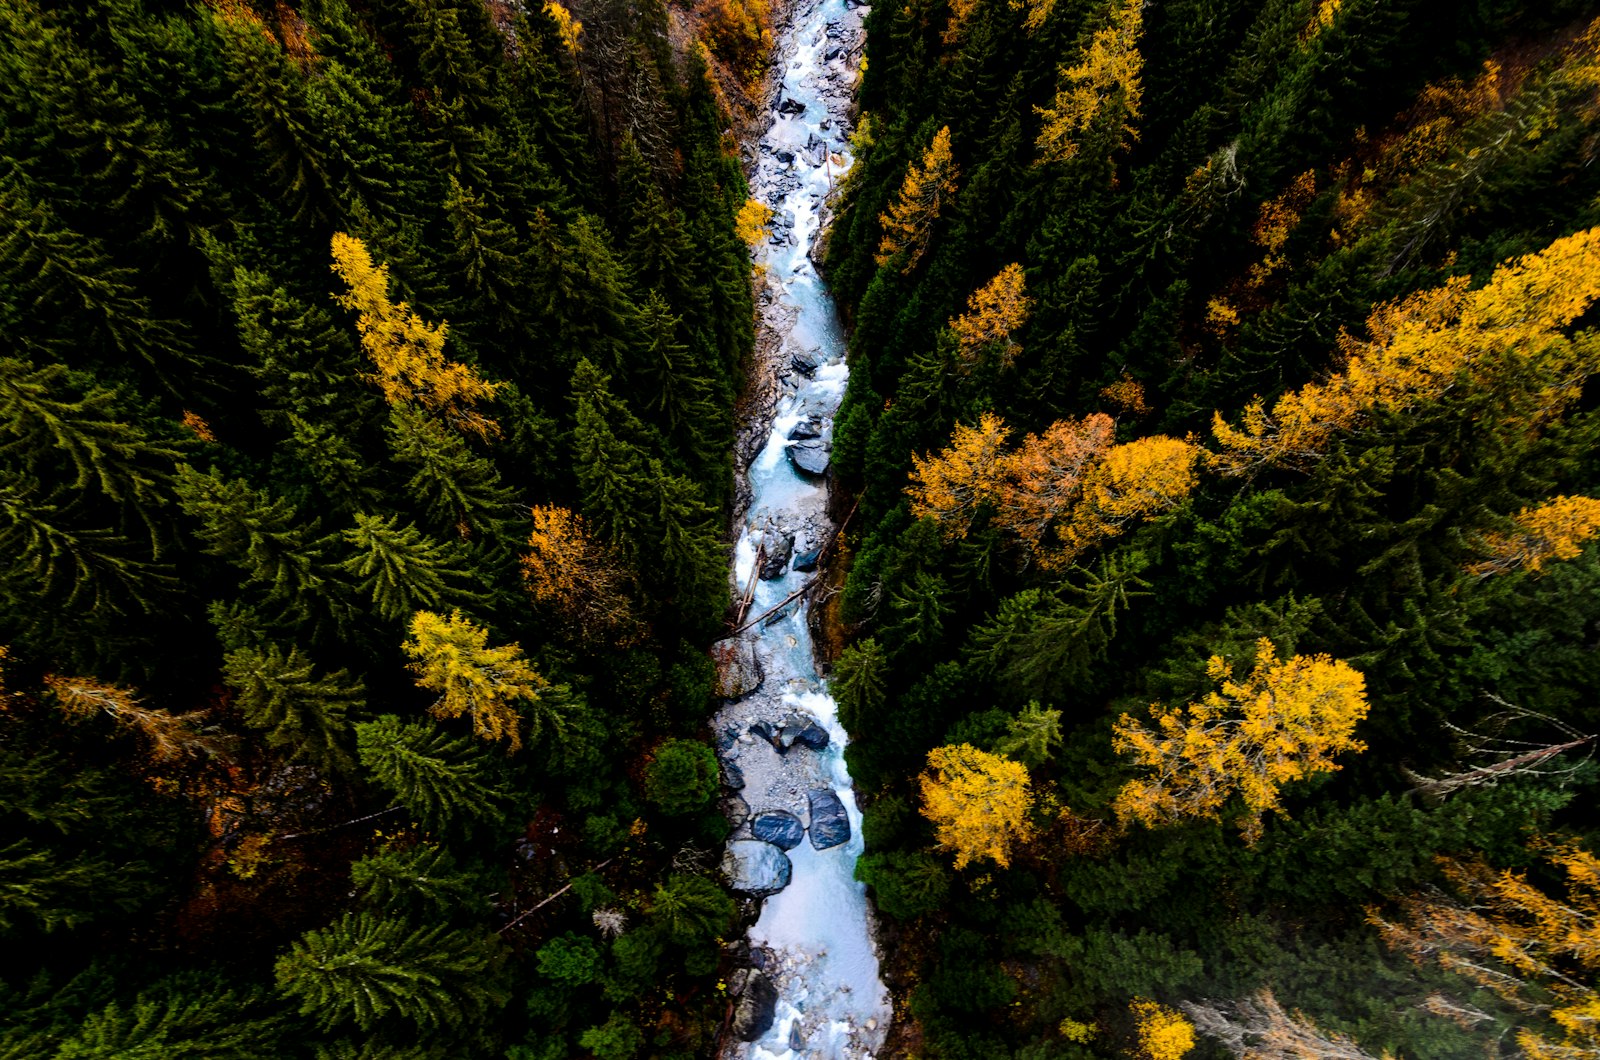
(814,938)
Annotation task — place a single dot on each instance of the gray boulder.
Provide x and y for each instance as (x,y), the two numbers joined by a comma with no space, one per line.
(736,810)
(806,561)
(756,868)
(732,777)
(806,362)
(830,825)
(813,736)
(810,457)
(738,670)
(791,106)
(779,827)
(757,1005)
(805,430)
(775,556)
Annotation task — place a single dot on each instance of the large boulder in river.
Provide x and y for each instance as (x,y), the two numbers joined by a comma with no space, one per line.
(756,868)
(757,1005)
(779,827)
(810,457)
(775,552)
(806,561)
(738,670)
(830,825)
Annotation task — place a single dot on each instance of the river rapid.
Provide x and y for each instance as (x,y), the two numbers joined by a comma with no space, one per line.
(813,987)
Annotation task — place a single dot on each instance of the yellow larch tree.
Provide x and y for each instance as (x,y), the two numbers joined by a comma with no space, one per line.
(994,312)
(1164,1033)
(569,28)
(908,223)
(1104,82)
(950,485)
(977,801)
(1540,953)
(1044,477)
(1283,722)
(451,656)
(754,222)
(1422,344)
(1555,530)
(581,578)
(1137,480)
(407,351)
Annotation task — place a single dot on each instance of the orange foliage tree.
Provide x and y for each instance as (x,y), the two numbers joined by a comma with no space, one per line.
(908,223)
(1539,953)
(167,736)
(407,350)
(977,801)
(1556,530)
(1061,492)
(1422,344)
(994,312)
(451,656)
(1285,721)
(1104,82)
(581,578)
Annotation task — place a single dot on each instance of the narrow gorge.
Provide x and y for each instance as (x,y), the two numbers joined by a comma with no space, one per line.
(812,987)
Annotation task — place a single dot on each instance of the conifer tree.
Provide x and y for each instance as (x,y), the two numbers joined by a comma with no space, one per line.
(422,880)
(189,1016)
(458,489)
(451,656)
(304,716)
(400,570)
(908,223)
(608,462)
(366,969)
(444,782)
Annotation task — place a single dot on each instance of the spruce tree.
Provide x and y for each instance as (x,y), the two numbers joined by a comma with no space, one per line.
(366,969)
(424,880)
(458,489)
(304,716)
(610,466)
(445,782)
(189,1017)
(402,571)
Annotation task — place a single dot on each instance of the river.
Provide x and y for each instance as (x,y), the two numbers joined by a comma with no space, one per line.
(813,943)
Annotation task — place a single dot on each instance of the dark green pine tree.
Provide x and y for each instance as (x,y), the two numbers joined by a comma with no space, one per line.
(402,571)
(679,393)
(423,880)
(367,970)
(48,410)
(458,489)
(288,559)
(305,717)
(541,93)
(610,462)
(651,234)
(577,293)
(189,1017)
(289,142)
(688,559)
(345,481)
(486,258)
(61,294)
(445,782)
(43,890)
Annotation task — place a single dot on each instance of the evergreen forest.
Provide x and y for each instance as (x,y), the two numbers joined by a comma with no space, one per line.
(1215,611)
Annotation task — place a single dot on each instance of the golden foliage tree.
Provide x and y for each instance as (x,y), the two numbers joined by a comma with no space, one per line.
(1164,1033)
(1421,345)
(1540,953)
(1556,530)
(407,350)
(1104,82)
(753,222)
(994,312)
(1285,721)
(451,656)
(569,28)
(952,484)
(580,577)
(908,223)
(1259,1028)
(1061,492)
(1137,480)
(977,801)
